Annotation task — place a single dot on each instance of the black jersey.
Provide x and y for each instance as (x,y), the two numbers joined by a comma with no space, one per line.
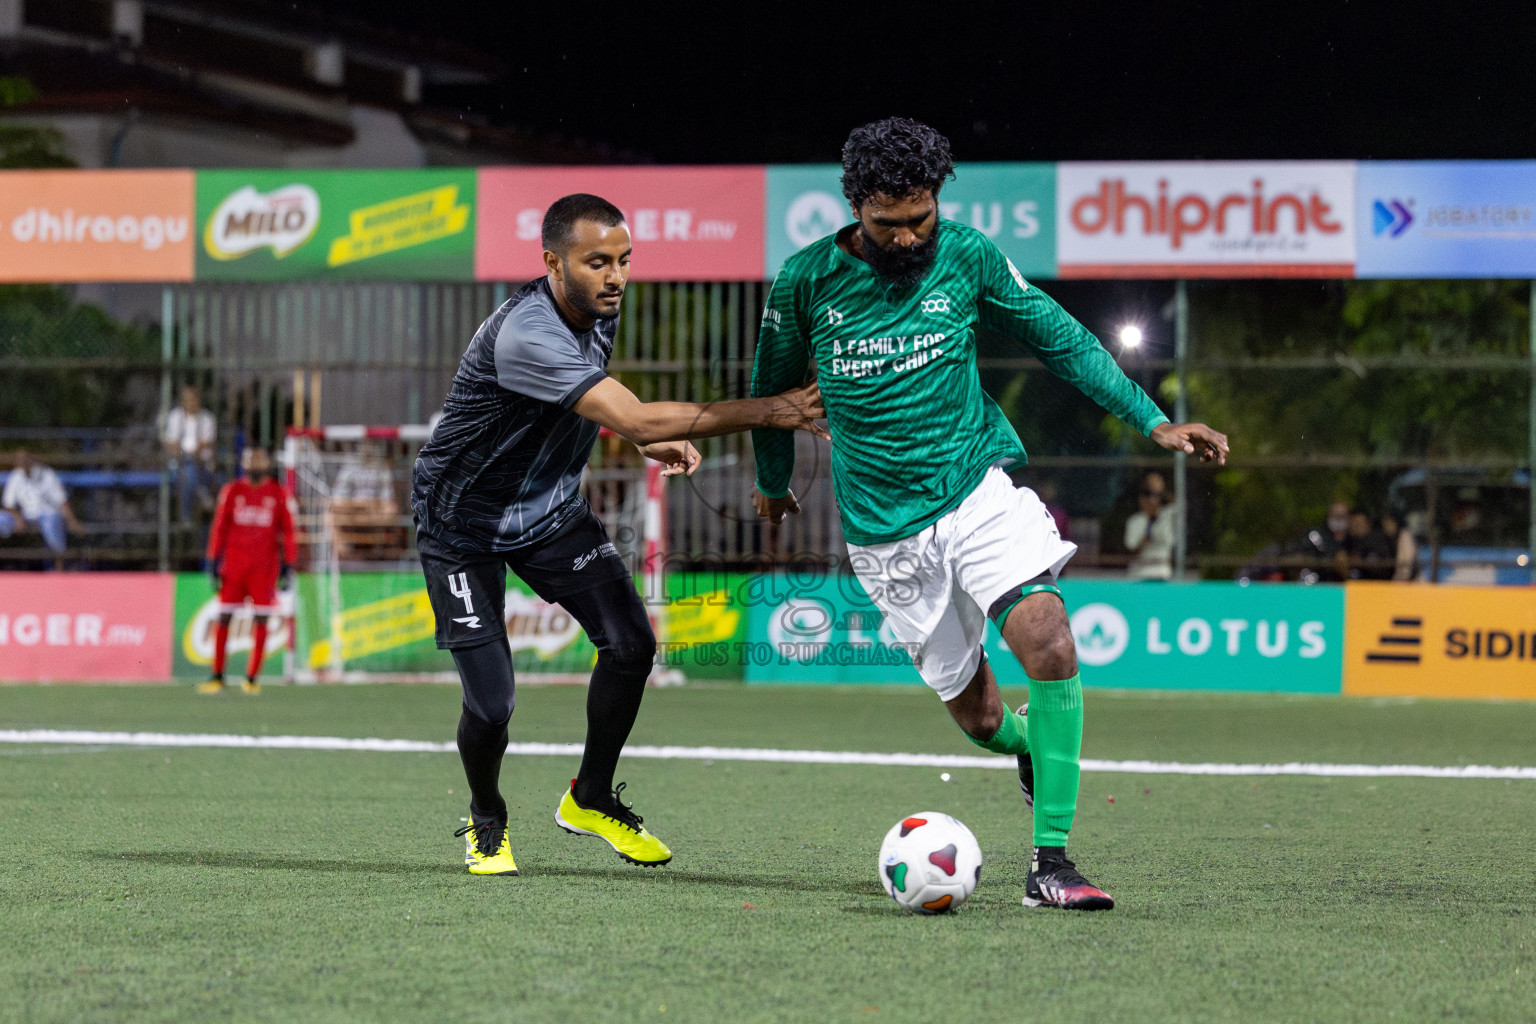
(503,466)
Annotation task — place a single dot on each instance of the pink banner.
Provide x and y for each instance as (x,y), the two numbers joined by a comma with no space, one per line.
(69,627)
(687,223)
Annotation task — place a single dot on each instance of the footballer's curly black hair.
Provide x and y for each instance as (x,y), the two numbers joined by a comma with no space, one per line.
(894,157)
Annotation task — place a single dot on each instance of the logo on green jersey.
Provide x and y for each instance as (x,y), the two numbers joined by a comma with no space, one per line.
(833,317)
(935,304)
(1017,277)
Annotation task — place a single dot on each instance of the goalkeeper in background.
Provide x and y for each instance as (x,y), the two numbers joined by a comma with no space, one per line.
(250,546)
(887,309)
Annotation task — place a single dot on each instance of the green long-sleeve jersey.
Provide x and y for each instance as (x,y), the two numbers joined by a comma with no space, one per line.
(912,431)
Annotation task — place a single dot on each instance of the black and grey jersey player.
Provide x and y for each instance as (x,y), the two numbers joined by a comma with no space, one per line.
(497,487)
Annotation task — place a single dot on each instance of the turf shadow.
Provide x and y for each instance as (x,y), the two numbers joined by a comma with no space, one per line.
(266,862)
(675,876)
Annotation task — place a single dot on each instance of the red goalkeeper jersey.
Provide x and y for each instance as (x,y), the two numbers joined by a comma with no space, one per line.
(248,527)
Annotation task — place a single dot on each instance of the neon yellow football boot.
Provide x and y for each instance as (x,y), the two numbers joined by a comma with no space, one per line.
(487,850)
(214,685)
(618,826)
(250,686)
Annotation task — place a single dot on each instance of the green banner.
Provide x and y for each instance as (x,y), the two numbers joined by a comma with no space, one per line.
(383,624)
(1013,204)
(271,225)
(196,617)
(1199,636)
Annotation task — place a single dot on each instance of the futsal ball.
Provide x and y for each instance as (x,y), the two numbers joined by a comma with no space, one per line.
(930,863)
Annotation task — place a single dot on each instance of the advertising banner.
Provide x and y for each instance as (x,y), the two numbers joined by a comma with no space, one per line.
(197,619)
(686,223)
(1013,204)
(1474,218)
(65,226)
(385,626)
(284,225)
(1424,640)
(89,627)
(1200,636)
(1275,219)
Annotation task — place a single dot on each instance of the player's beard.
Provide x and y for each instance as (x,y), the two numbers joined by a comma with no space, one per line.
(895,265)
(587,305)
(591,308)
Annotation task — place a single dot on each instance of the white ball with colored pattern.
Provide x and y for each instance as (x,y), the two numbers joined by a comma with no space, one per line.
(930,863)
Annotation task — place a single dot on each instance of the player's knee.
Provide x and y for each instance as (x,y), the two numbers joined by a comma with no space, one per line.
(635,650)
(628,645)
(490,711)
(1053,656)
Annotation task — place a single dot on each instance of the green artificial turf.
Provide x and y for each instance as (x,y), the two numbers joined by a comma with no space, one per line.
(189,884)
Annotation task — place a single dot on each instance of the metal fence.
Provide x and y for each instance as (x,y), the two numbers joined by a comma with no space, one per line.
(270,356)
(380,354)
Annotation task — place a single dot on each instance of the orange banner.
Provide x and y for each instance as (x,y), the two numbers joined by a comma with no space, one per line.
(59,226)
(1422,640)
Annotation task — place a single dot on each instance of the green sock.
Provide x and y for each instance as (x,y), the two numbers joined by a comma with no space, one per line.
(1055,742)
(1009,738)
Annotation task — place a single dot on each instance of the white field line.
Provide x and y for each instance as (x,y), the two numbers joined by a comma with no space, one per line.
(215,740)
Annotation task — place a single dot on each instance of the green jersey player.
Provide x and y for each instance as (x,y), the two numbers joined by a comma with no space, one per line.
(887,309)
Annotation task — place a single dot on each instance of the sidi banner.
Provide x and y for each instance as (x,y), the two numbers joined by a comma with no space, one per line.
(96,626)
(1429,640)
(1274,219)
(686,223)
(65,226)
(361,225)
(1014,204)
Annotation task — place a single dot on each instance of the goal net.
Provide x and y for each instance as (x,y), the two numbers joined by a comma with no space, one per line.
(361,609)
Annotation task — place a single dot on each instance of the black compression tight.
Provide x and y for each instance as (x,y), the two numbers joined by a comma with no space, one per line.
(615,621)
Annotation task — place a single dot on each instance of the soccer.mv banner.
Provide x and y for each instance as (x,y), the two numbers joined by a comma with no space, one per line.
(686,223)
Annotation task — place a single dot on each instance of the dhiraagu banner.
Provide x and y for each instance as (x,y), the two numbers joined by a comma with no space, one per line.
(1199,636)
(280,225)
(1014,204)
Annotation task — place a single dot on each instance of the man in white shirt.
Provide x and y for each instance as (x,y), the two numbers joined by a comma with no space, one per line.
(1152,531)
(34,498)
(188,435)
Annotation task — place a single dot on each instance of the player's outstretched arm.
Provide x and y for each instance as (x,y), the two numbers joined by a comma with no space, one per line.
(614,406)
(1191,438)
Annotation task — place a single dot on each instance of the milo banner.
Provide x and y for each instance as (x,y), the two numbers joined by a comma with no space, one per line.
(196,611)
(303,224)
(1012,204)
(381,623)
(1200,636)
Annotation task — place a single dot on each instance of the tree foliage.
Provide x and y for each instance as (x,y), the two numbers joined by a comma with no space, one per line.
(24,146)
(42,322)
(1381,374)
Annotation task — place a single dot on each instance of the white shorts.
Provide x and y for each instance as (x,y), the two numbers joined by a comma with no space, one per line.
(937,587)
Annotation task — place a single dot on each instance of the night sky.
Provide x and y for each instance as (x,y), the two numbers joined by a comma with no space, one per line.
(750,83)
